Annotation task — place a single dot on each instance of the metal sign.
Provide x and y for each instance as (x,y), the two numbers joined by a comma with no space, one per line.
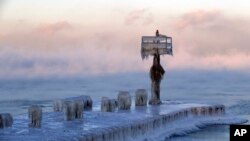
(151,45)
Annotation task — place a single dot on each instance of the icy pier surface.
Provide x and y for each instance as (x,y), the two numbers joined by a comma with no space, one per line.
(138,123)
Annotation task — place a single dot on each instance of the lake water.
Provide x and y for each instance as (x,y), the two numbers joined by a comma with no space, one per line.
(224,87)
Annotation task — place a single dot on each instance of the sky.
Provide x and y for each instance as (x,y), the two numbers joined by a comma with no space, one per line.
(42,38)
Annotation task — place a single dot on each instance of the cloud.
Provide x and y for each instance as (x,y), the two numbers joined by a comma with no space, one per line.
(207,40)
(78,61)
(51,28)
(197,18)
(209,33)
(185,60)
(41,38)
(140,16)
(83,51)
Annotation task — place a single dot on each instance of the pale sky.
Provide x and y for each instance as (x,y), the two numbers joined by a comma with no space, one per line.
(79,37)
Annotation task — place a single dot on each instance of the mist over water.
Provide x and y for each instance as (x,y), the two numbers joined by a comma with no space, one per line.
(224,87)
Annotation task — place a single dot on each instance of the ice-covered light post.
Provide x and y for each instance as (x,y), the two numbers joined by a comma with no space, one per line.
(156,45)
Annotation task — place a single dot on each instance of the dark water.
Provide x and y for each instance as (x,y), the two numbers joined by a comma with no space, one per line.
(225,87)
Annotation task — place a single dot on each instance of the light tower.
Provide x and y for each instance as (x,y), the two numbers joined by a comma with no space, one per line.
(155,46)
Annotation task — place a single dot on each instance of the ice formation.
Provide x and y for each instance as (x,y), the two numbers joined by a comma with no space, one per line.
(73,109)
(6,120)
(108,105)
(141,97)
(124,100)
(87,101)
(35,116)
(138,123)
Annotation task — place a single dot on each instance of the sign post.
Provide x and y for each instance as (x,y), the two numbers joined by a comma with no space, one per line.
(155,46)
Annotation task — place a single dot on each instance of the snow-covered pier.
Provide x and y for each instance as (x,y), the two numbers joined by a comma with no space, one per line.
(138,123)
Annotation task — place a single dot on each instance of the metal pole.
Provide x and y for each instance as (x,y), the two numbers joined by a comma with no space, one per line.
(156,75)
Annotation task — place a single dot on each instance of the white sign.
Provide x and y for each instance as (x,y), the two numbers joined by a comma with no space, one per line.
(151,45)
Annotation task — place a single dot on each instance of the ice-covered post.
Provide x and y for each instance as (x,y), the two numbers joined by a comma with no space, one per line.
(141,97)
(156,75)
(73,109)
(69,110)
(108,105)
(156,45)
(35,116)
(124,100)
(6,120)
(84,99)
(79,107)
